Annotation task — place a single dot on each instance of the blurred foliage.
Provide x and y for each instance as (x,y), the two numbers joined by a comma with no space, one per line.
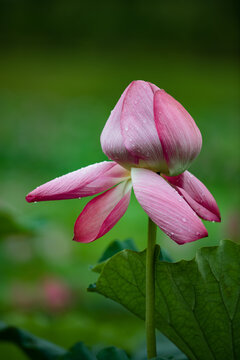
(9,226)
(202,26)
(39,349)
(35,348)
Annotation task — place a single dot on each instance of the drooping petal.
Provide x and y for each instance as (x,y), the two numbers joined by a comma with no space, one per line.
(111,137)
(86,181)
(138,127)
(196,194)
(179,135)
(166,207)
(102,213)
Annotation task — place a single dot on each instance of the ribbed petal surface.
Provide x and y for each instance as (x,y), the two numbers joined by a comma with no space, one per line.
(111,137)
(138,127)
(197,195)
(87,181)
(166,207)
(179,135)
(102,213)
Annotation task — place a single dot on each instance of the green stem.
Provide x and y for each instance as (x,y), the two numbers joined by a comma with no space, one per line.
(150,291)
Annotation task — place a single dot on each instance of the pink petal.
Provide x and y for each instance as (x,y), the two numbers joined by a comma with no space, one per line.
(102,213)
(84,182)
(138,127)
(179,135)
(166,207)
(111,137)
(153,87)
(197,195)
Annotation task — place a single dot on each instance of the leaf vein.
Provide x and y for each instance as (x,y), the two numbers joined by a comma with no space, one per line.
(194,315)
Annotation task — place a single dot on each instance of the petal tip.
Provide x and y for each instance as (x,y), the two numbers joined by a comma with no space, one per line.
(75,238)
(217,218)
(30,198)
(78,238)
(204,234)
(199,235)
(218,215)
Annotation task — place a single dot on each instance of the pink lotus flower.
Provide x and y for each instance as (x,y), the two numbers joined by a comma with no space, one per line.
(152,140)
(56,294)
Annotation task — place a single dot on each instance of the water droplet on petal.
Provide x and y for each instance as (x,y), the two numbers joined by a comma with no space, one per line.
(184,219)
(126,128)
(197,233)
(172,233)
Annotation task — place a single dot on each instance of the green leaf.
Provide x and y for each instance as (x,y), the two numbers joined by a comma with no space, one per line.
(197,301)
(113,248)
(34,347)
(164,256)
(112,353)
(77,352)
(116,246)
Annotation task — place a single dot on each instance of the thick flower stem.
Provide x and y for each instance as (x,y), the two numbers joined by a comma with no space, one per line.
(150,291)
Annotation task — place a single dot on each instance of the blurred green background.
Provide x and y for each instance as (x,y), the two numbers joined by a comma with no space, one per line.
(63,66)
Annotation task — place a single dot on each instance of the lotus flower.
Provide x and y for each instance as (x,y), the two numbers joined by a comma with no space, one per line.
(152,140)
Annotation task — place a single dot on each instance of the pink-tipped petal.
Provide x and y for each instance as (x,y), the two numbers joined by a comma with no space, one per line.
(197,195)
(87,181)
(179,135)
(111,137)
(166,207)
(138,127)
(102,213)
